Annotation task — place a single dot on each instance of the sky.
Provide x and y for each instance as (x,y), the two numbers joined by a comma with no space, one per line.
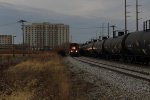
(85,17)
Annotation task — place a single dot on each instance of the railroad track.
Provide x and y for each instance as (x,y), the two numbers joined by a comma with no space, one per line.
(133,72)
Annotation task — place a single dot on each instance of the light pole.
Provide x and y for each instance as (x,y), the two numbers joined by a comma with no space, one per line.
(13,45)
(22,22)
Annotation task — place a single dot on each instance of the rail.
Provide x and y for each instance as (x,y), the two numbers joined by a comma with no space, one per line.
(144,75)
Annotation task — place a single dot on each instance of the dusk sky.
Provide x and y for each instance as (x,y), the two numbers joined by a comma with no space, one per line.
(83,16)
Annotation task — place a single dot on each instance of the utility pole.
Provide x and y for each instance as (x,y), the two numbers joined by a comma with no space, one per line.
(103,29)
(125,16)
(96,35)
(113,26)
(13,38)
(22,24)
(137,15)
(108,30)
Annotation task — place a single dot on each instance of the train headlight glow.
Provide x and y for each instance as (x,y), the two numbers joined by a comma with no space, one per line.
(73,48)
(71,51)
(76,50)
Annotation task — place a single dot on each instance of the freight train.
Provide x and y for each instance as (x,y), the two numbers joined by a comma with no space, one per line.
(131,47)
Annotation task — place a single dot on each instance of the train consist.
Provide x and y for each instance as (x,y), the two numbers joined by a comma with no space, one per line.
(131,47)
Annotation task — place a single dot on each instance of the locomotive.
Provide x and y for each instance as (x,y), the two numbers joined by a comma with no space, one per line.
(74,49)
(71,49)
(131,47)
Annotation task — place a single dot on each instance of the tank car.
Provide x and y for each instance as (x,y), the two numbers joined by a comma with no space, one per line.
(114,47)
(87,49)
(137,45)
(98,48)
(82,49)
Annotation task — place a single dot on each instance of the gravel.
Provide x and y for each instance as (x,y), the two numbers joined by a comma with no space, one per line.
(109,85)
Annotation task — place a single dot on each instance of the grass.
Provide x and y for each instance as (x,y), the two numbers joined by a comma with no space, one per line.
(41,77)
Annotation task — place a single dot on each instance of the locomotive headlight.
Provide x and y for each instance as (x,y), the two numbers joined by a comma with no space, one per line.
(71,51)
(76,50)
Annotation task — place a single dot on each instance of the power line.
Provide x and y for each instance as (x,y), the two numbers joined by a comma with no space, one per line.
(8,24)
(86,27)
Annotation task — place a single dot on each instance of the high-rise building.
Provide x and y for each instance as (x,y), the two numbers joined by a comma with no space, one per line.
(5,41)
(46,35)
